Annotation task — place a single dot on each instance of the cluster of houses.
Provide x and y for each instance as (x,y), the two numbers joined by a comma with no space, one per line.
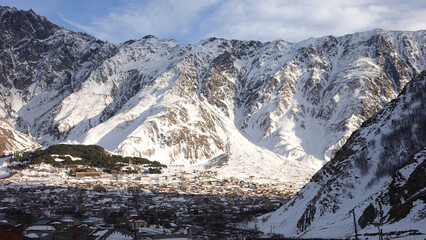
(51,212)
(176,180)
(49,203)
(196,182)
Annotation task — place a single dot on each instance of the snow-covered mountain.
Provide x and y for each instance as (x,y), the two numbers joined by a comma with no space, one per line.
(275,109)
(380,173)
(12,141)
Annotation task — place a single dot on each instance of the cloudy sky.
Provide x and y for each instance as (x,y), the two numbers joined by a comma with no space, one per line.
(189,21)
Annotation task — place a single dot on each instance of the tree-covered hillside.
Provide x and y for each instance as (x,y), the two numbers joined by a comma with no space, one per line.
(64,155)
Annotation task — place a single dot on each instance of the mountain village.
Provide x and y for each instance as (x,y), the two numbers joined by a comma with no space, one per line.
(152,205)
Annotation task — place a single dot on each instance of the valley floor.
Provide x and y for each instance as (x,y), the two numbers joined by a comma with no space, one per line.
(46,200)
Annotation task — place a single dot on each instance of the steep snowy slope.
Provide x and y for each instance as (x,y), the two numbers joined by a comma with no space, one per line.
(379,172)
(12,141)
(229,103)
(41,64)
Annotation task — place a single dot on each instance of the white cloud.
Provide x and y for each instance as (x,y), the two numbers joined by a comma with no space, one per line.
(411,20)
(266,20)
(135,20)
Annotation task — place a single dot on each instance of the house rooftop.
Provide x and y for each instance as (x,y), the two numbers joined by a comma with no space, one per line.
(4,234)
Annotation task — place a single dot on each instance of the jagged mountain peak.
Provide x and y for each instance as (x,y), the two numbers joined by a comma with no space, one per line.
(17,26)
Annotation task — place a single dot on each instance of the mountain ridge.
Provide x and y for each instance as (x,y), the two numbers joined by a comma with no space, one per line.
(267,106)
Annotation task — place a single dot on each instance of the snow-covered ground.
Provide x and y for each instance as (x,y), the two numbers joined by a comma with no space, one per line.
(4,170)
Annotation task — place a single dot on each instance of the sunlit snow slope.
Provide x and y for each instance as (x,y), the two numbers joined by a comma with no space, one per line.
(13,141)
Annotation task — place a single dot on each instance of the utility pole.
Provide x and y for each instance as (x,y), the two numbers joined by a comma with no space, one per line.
(356,232)
(134,230)
(378,225)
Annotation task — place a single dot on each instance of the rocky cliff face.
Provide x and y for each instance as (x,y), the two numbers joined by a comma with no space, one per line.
(228,103)
(13,141)
(379,173)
